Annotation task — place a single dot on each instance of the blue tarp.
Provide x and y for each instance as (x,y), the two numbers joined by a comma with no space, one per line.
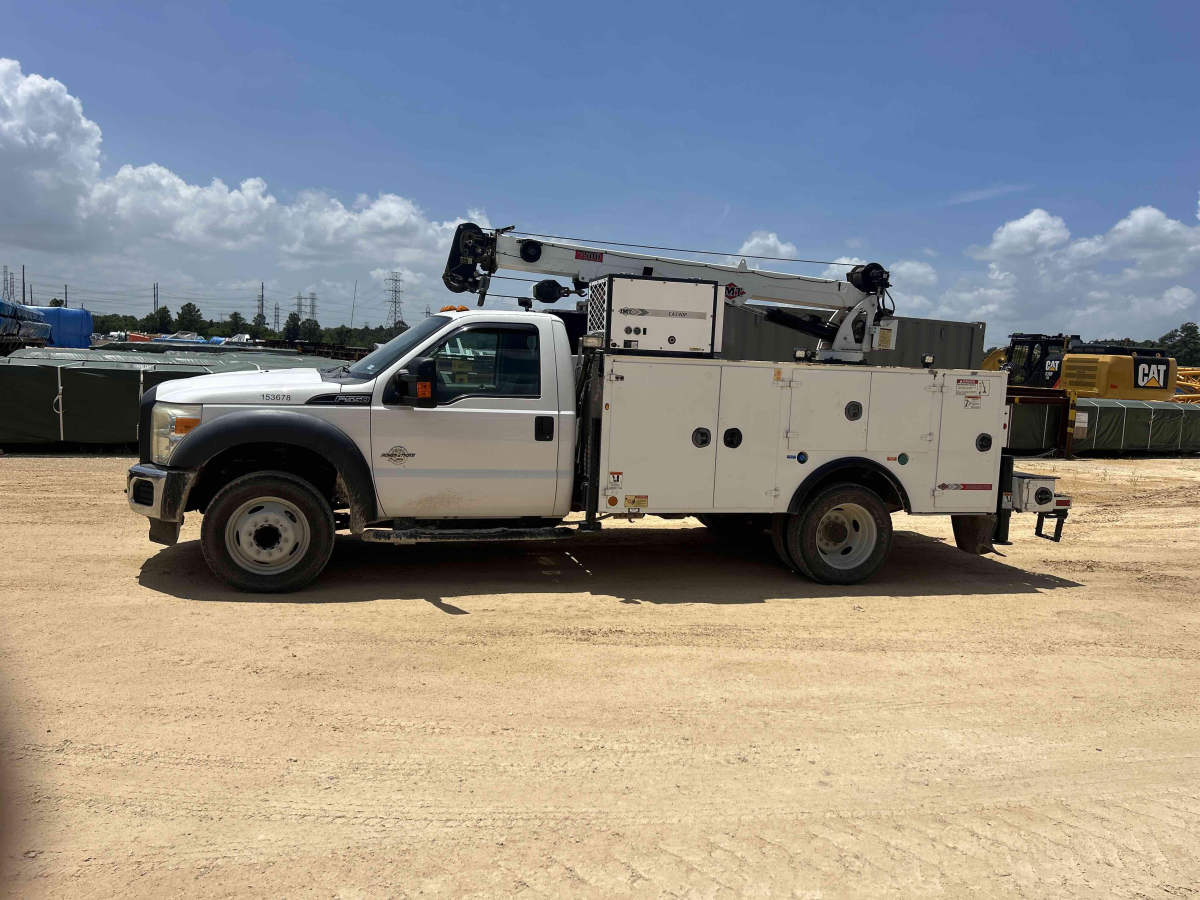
(68,327)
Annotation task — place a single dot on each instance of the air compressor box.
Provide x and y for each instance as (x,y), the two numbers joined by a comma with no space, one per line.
(657,316)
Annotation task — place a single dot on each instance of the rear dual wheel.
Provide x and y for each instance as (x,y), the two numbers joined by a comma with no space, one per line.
(841,536)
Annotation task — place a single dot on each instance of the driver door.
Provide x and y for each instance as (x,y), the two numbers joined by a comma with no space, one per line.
(489,449)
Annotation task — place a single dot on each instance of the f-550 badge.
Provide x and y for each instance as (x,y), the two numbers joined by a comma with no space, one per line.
(398,456)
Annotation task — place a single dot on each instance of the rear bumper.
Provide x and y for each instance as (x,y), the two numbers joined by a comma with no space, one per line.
(160,495)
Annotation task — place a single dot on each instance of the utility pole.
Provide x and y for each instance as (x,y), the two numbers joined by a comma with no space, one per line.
(65,303)
(262,297)
(276,328)
(22,284)
(395,317)
(352,300)
(156,296)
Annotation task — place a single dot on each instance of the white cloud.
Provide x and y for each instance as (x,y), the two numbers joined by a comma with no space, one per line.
(1124,282)
(1177,299)
(912,273)
(1036,231)
(929,251)
(854,243)
(840,266)
(766,243)
(52,170)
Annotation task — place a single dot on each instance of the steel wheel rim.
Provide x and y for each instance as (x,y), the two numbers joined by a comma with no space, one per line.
(267,535)
(846,536)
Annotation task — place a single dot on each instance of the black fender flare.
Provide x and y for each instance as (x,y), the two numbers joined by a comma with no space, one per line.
(281,426)
(822,473)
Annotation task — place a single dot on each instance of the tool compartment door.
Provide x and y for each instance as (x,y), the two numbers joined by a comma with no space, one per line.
(823,422)
(747,438)
(972,406)
(658,457)
(904,411)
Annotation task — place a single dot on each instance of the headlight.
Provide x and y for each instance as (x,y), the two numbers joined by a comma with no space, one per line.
(168,424)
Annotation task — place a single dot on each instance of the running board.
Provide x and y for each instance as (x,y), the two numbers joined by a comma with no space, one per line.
(462,535)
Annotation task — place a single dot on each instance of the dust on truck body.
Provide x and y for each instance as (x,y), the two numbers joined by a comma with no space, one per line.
(481,425)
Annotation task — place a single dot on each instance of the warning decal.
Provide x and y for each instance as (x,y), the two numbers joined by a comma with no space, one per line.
(974,387)
(637,501)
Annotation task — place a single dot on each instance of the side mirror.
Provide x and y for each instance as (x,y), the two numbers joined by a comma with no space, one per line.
(417,386)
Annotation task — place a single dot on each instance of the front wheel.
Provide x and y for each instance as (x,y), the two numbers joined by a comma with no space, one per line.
(842,535)
(267,533)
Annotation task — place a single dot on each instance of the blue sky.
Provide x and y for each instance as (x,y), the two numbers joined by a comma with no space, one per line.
(846,131)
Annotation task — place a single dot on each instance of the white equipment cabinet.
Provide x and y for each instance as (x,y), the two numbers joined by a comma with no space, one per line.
(697,435)
(663,316)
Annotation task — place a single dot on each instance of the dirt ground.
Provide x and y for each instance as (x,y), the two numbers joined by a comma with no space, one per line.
(645,713)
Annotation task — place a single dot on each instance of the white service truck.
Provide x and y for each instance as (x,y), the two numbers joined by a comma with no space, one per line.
(486,425)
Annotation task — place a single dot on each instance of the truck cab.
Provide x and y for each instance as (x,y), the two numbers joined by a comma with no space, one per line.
(492,437)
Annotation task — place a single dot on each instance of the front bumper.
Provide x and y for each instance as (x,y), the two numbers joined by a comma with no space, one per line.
(160,495)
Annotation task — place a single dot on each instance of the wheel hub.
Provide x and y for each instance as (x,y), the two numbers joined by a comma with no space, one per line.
(267,534)
(846,536)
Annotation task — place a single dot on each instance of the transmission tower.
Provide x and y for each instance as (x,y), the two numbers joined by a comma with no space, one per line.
(299,298)
(395,316)
(4,285)
(312,305)
(276,328)
(428,312)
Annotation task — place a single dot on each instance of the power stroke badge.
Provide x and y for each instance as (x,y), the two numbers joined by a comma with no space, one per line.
(398,456)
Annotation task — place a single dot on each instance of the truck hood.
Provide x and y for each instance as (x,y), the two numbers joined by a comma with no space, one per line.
(274,387)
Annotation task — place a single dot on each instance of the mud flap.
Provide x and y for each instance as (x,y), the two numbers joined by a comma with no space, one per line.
(974,533)
(165,532)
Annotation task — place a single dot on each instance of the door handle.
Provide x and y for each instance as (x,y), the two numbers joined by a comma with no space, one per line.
(543,428)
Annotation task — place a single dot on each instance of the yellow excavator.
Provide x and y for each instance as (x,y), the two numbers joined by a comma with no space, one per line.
(1094,370)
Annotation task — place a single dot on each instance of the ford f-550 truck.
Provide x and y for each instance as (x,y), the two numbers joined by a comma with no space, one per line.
(483,425)
(488,425)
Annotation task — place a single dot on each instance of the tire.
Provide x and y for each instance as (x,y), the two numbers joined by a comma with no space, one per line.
(267,533)
(735,526)
(779,529)
(841,536)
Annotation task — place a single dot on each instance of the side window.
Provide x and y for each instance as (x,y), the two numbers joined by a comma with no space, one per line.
(501,362)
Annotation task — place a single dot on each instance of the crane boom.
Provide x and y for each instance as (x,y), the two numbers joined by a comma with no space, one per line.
(476,254)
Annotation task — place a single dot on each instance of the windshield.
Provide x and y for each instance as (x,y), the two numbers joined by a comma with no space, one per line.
(374,363)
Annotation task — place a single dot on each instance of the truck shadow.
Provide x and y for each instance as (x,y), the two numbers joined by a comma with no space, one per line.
(632,565)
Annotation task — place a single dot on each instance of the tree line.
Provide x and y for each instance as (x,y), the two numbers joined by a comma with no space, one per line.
(190,318)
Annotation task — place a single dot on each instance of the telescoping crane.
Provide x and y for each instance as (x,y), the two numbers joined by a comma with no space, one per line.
(861,320)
